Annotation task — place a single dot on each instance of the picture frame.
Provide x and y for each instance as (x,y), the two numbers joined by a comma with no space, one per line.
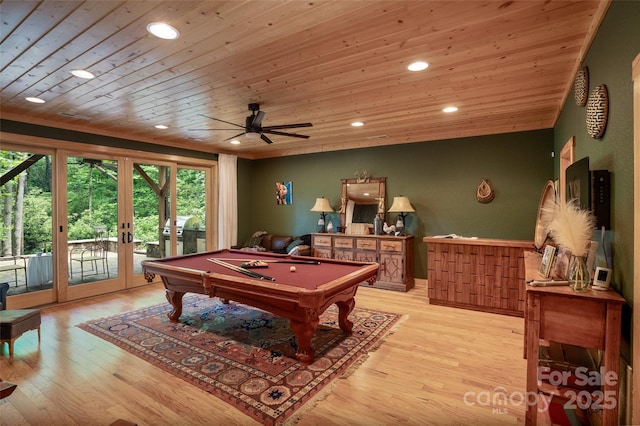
(561,269)
(548,258)
(284,193)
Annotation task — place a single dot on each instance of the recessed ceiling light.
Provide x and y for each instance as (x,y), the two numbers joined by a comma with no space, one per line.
(35,100)
(450,109)
(357,124)
(235,142)
(161,126)
(83,74)
(162,30)
(418,66)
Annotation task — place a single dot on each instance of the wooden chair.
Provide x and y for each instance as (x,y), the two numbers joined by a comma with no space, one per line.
(15,263)
(14,322)
(90,256)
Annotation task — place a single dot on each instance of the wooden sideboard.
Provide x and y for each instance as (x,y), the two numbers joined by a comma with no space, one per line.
(589,319)
(394,254)
(480,274)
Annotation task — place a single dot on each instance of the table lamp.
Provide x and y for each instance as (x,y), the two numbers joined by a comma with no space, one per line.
(322,205)
(403,206)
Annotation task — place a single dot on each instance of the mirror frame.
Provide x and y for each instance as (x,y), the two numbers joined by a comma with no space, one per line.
(382,183)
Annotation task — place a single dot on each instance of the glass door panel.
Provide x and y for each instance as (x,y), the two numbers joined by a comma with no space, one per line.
(191,210)
(151,187)
(92,211)
(26,241)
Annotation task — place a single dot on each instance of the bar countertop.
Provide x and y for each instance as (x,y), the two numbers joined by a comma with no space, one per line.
(480,242)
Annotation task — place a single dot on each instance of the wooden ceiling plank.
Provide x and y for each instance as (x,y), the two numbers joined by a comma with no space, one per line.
(122,38)
(48,62)
(127,73)
(13,15)
(31,29)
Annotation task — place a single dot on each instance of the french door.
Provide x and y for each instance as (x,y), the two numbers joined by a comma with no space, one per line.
(91,217)
(105,214)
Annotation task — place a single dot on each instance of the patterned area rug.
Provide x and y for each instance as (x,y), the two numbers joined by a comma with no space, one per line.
(241,354)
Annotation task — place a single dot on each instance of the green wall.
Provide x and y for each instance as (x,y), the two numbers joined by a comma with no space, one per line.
(609,62)
(440,178)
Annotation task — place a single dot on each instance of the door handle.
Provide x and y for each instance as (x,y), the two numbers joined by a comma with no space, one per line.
(130,235)
(123,238)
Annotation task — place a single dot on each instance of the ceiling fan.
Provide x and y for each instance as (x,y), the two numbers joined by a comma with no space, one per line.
(253,126)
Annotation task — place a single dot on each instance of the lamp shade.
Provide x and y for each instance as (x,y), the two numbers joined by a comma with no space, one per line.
(401,205)
(321,205)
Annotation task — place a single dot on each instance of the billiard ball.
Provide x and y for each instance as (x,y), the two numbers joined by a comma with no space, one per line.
(292,269)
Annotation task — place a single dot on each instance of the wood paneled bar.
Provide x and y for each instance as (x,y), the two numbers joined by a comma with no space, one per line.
(479,274)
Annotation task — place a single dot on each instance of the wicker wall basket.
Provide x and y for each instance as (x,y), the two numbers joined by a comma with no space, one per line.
(597,111)
(581,86)
(484,193)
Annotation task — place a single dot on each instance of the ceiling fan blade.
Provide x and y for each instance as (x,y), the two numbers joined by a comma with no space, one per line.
(217,119)
(257,120)
(288,126)
(233,137)
(293,135)
(266,139)
(194,130)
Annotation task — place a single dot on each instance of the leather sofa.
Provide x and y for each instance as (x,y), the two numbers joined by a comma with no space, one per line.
(263,241)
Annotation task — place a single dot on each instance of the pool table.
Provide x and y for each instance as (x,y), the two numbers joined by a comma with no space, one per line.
(300,296)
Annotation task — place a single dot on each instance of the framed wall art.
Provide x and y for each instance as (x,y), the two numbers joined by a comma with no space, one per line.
(284,193)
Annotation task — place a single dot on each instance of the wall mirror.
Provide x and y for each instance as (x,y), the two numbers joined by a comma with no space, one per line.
(361,200)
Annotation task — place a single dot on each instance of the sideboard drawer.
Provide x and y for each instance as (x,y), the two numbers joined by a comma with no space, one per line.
(366,244)
(344,243)
(323,240)
(395,246)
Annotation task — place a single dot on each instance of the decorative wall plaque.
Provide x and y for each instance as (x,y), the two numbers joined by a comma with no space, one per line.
(581,86)
(484,193)
(597,111)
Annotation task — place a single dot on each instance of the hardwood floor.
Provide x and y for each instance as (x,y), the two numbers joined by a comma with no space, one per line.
(441,366)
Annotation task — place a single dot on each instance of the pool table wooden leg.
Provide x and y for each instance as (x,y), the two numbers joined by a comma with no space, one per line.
(175,299)
(304,332)
(344,309)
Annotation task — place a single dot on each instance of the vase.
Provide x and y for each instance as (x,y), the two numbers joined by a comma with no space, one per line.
(579,276)
(377,225)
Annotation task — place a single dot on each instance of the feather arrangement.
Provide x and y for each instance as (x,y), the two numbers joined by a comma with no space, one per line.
(571,227)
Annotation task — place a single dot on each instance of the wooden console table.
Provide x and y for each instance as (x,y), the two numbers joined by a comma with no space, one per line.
(480,274)
(589,319)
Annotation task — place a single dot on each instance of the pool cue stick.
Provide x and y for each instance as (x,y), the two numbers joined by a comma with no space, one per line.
(241,270)
(304,262)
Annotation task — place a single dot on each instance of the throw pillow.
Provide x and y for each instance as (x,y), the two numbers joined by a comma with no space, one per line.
(293,245)
(255,240)
(294,251)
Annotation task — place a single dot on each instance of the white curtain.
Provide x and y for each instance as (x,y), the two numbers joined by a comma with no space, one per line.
(227,201)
